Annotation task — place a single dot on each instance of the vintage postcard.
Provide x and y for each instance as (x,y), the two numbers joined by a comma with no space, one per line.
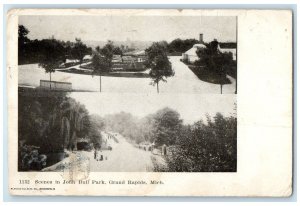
(150,102)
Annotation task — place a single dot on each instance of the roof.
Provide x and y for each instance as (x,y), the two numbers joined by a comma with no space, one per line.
(199,46)
(135,53)
(228,45)
(87,57)
(191,51)
(140,53)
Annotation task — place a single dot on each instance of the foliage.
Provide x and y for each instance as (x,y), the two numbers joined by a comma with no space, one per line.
(37,51)
(100,64)
(200,147)
(123,123)
(52,55)
(207,147)
(179,45)
(54,122)
(107,52)
(30,159)
(117,51)
(79,50)
(166,126)
(160,128)
(22,40)
(213,59)
(158,62)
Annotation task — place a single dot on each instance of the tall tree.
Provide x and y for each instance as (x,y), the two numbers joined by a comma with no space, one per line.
(100,65)
(214,60)
(166,126)
(22,41)
(53,56)
(159,64)
(80,50)
(117,51)
(22,35)
(107,52)
(74,122)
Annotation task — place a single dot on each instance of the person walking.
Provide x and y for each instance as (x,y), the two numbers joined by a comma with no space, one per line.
(95,154)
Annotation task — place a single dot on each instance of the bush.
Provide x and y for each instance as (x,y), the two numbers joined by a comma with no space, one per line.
(205,147)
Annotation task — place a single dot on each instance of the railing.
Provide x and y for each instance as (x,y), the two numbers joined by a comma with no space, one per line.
(54,85)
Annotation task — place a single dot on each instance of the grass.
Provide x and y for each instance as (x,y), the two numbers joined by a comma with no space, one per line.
(207,75)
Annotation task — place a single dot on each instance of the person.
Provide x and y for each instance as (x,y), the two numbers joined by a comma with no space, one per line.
(164,149)
(95,154)
(72,147)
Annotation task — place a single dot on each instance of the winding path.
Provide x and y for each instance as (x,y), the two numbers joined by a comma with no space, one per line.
(184,81)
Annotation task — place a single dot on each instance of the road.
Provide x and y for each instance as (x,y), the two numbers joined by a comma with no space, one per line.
(184,81)
(124,157)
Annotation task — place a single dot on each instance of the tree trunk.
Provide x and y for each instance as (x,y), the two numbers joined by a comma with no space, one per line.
(221,88)
(100,82)
(157,88)
(50,80)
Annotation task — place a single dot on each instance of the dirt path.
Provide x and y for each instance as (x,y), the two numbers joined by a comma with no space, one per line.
(124,157)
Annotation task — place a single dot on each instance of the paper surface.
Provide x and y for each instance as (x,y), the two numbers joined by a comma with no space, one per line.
(262,104)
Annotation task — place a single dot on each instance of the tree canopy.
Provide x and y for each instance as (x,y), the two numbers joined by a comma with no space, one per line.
(80,50)
(158,62)
(181,46)
(36,51)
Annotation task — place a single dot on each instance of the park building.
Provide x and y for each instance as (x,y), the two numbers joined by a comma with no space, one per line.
(191,56)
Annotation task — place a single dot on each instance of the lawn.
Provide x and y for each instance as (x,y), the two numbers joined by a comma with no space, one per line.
(207,75)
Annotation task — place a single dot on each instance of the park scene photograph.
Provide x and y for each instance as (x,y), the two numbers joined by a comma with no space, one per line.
(134,54)
(126,132)
(127,93)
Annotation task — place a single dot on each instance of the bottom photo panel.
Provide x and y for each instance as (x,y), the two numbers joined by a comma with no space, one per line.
(120,132)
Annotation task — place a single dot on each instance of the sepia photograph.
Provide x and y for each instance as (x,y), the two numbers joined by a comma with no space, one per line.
(140,54)
(127,133)
(121,94)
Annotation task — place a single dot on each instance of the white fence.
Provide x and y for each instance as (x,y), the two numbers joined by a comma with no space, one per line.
(65,86)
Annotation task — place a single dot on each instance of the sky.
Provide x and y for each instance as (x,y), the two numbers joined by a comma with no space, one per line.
(135,28)
(191,107)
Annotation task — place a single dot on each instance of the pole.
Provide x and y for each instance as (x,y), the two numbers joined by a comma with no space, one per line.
(50,80)
(157,87)
(100,82)
(221,87)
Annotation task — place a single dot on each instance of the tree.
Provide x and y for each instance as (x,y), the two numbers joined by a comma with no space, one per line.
(107,52)
(117,51)
(166,126)
(22,41)
(100,65)
(207,147)
(74,122)
(52,56)
(179,45)
(215,61)
(22,35)
(80,50)
(159,64)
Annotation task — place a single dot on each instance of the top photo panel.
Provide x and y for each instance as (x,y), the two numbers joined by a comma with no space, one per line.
(128,54)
